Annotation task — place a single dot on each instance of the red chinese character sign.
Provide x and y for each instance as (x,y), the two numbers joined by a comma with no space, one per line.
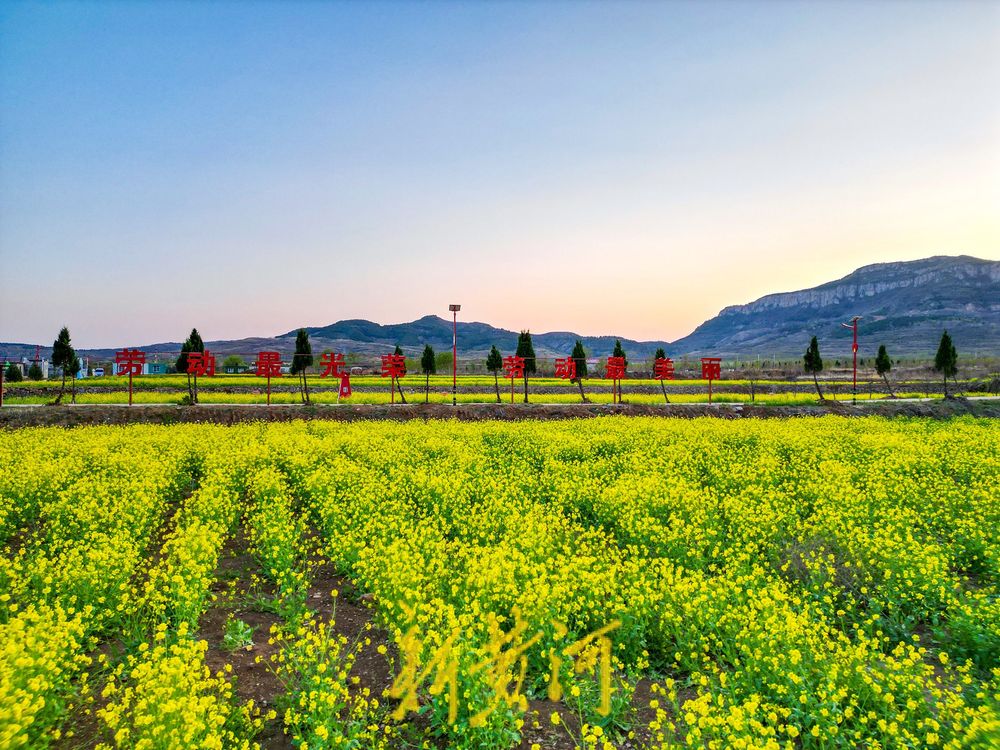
(566,368)
(268,366)
(201,363)
(130,362)
(333,367)
(513,368)
(615,372)
(663,369)
(394,368)
(711,369)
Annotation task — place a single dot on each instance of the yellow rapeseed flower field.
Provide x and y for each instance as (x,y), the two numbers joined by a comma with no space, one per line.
(653,583)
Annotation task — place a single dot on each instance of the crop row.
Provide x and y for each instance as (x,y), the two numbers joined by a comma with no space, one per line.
(812,583)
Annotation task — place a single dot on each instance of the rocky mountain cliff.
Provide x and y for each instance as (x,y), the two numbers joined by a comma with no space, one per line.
(905,306)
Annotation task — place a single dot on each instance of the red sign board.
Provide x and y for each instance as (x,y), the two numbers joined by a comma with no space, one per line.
(615,369)
(201,363)
(566,368)
(711,368)
(130,361)
(663,368)
(393,365)
(345,386)
(513,367)
(333,365)
(269,364)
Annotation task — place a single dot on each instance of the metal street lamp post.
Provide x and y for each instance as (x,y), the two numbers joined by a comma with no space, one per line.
(454,353)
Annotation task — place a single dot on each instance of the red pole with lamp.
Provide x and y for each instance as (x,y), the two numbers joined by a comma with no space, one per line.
(454,353)
(853,325)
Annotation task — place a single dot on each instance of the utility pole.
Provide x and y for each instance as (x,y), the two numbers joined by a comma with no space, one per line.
(454,353)
(853,325)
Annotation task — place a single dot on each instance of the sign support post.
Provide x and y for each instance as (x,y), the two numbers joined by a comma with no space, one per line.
(454,353)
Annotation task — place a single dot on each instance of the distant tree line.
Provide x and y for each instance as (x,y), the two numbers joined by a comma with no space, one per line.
(65,359)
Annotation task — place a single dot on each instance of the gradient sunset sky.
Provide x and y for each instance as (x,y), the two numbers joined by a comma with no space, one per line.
(625,168)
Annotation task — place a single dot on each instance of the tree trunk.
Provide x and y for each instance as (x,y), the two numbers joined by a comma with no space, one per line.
(74,389)
(583,398)
(305,384)
(664,389)
(63,387)
(496,382)
(400,389)
(816,381)
(525,386)
(427,387)
(195,399)
(888,387)
(946,386)
(190,392)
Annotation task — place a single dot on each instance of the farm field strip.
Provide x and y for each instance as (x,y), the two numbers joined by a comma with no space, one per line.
(825,582)
(439,397)
(416,381)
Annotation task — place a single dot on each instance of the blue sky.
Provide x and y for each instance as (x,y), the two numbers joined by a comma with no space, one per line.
(632,168)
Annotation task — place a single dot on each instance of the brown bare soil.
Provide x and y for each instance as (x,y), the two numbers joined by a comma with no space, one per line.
(70,416)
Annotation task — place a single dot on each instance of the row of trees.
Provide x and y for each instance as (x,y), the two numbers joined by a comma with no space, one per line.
(945,362)
(65,358)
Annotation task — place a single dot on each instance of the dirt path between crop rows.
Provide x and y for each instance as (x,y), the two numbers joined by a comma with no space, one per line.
(69,416)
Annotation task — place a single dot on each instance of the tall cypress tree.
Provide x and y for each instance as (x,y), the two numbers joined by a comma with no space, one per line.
(303,359)
(882,366)
(13,373)
(429,366)
(526,350)
(814,363)
(74,370)
(494,363)
(579,357)
(62,357)
(192,343)
(946,360)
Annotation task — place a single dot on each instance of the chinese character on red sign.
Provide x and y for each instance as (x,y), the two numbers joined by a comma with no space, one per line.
(130,361)
(269,364)
(615,369)
(566,368)
(711,368)
(663,369)
(393,365)
(201,363)
(333,365)
(513,367)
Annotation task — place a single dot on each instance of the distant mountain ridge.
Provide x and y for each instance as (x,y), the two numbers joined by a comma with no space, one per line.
(904,305)
(473,337)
